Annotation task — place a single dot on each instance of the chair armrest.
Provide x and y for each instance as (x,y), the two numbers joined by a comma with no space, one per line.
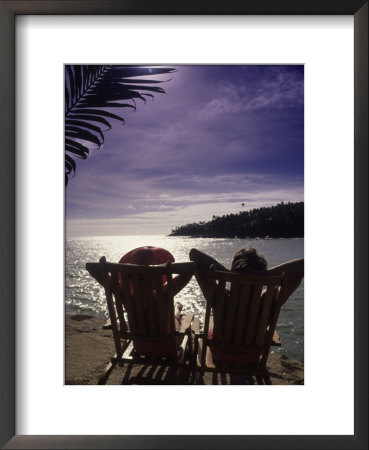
(182,268)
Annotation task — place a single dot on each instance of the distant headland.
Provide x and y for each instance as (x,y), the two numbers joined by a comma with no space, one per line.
(285,220)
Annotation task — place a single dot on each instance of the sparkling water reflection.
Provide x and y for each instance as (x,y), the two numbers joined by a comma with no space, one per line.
(85,296)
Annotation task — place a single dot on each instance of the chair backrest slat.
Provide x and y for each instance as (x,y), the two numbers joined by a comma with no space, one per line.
(118,302)
(160,303)
(170,304)
(276,308)
(252,319)
(264,315)
(139,305)
(218,306)
(242,316)
(149,303)
(128,302)
(231,313)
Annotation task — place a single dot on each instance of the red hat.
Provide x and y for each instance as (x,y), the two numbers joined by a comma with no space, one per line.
(147,256)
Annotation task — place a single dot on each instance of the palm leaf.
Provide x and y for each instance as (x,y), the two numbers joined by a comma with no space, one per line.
(85,124)
(90,118)
(100,113)
(90,92)
(75,147)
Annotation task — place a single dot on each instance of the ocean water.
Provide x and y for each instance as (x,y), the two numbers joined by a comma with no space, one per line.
(85,296)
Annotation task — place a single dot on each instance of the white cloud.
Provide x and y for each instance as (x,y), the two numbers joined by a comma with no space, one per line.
(282,92)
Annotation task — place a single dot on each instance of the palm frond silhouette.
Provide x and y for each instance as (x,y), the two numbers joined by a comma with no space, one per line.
(91,92)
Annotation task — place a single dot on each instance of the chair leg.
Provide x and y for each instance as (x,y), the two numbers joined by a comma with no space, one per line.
(192,377)
(190,345)
(177,375)
(259,380)
(107,371)
(264,379)
(199,377)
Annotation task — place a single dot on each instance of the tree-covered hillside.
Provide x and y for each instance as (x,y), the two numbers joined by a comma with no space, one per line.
(283,220)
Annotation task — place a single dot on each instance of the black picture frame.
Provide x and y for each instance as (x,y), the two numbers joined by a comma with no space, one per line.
(8,11)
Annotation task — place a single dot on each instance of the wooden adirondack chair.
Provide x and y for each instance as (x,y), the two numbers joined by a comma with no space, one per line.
(239,325)
(141,314)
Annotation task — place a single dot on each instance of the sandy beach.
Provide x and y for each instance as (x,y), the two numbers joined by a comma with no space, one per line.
(88,349)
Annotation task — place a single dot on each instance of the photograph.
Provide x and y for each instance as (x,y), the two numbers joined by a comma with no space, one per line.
(184,224)
(175,237)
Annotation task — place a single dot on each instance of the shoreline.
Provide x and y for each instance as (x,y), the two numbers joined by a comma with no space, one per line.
(88,349)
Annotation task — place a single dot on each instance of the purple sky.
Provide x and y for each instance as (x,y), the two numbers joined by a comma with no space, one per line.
(220,136)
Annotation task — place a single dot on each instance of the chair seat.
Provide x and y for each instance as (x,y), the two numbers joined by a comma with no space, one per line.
(212,364)
(165,349)
(138,351)
(275,342)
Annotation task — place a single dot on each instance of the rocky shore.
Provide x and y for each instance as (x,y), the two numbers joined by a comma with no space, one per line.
(88,349)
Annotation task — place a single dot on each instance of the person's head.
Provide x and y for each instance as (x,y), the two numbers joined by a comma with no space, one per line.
(248,259)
